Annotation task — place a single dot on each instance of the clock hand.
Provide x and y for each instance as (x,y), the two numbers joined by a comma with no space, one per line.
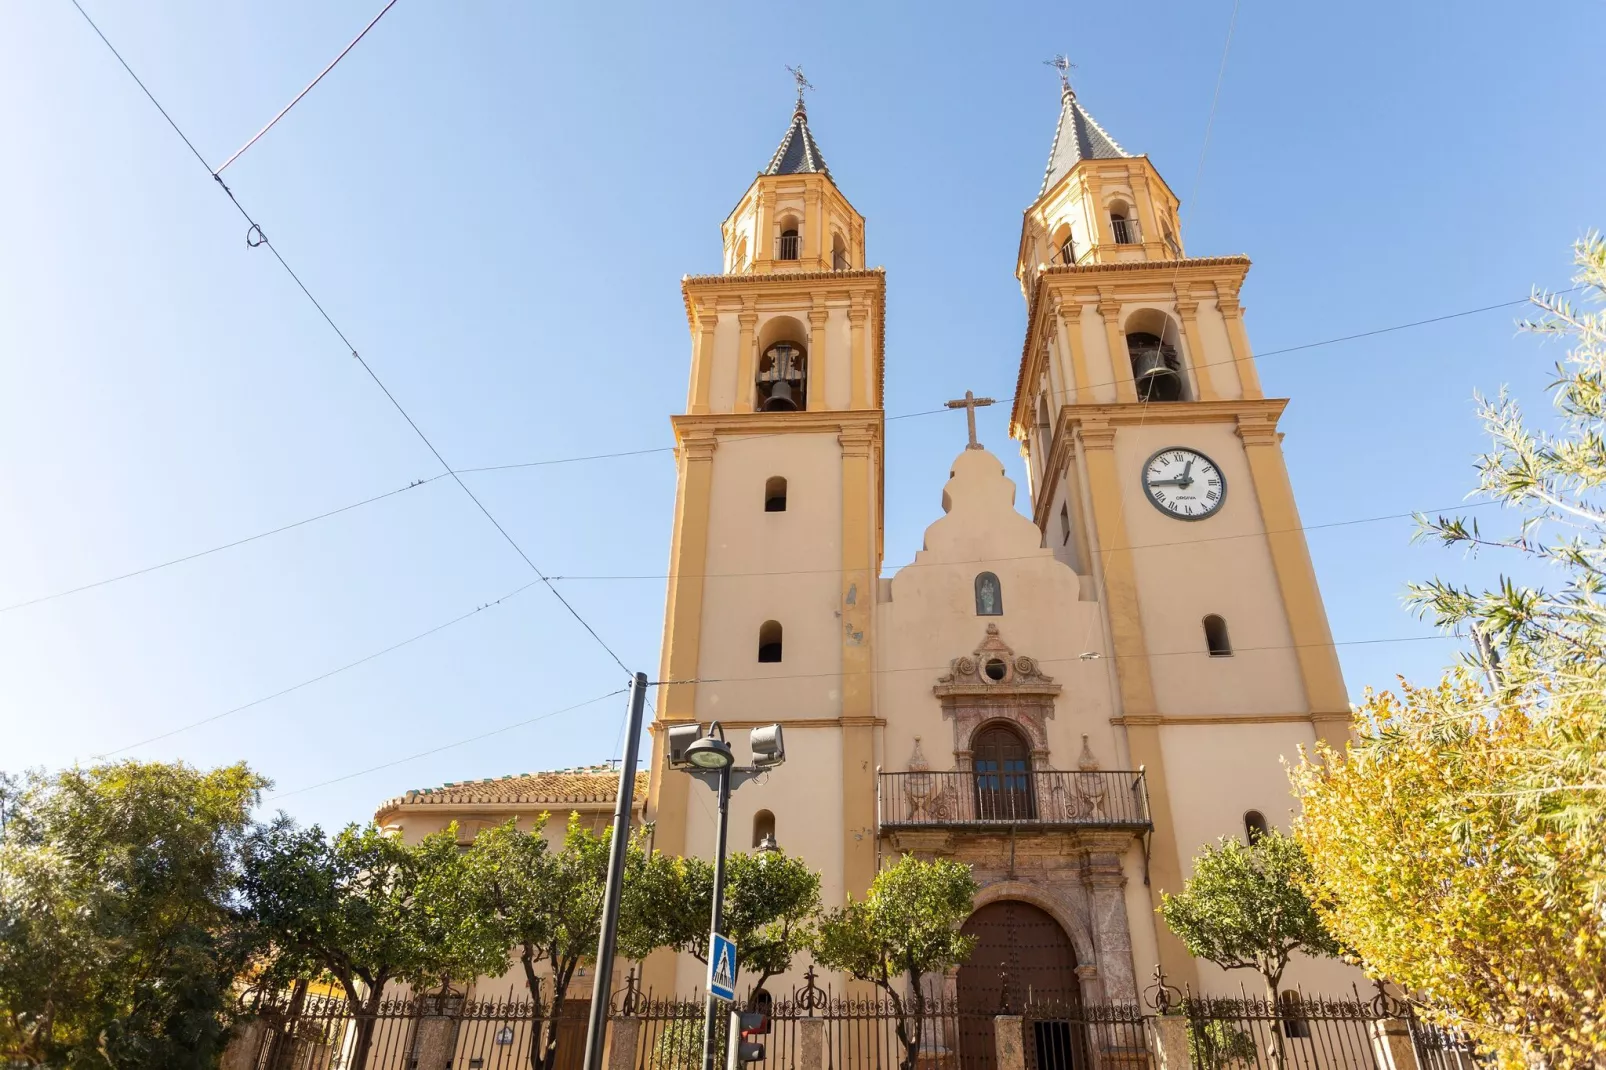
(1170,482)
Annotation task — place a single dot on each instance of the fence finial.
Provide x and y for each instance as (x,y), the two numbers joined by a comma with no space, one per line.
(1161,996)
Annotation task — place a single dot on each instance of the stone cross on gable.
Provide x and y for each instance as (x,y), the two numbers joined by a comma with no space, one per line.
(970,403)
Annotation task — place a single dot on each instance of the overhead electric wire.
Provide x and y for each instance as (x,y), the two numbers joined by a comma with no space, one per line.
(321,676)
(255,236)
(273,121)
(225,546)
(446,746)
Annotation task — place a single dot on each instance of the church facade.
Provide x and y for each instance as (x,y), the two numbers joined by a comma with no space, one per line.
(1073,699)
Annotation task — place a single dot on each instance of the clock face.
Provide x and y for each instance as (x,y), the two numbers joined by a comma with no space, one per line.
(1184,483)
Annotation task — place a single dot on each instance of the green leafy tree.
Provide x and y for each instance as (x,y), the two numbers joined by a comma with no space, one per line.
(1459,843)
(118,936)
(1245,908)
(546,906)
(771,902)
(367,908)
(905,927)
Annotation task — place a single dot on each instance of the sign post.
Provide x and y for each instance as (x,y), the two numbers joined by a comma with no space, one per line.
(722,968)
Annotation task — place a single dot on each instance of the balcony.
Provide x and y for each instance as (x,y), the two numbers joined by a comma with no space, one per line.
(1126,231)
(788,247)
(1036,799)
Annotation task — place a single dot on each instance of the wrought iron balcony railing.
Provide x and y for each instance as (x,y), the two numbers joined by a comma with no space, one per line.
(1126,231)
(788,247)
(1040,798)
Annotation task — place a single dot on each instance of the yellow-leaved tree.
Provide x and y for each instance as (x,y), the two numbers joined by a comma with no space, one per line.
(1458,846)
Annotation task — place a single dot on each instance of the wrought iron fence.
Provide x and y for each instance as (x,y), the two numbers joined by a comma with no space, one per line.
(1074,1036)
(1039,797)
(817,1030)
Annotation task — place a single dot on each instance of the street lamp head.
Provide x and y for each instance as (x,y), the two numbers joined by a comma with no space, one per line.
(710,754)
(769,748)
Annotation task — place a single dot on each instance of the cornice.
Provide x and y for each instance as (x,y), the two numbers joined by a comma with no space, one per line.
(1107,282)
(1171,720)
(870,423)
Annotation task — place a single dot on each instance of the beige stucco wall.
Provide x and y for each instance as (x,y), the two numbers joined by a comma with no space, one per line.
(1188,569)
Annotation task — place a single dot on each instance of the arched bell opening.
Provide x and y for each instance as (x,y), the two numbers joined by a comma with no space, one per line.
(739,257)
(789,246)
(1124,224)
(1001,768)
(839,252)
(1021,946)
(1062,246)
(783,372)
(1152,343)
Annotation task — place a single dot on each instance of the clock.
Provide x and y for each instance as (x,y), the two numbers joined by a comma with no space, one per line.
(1184,484)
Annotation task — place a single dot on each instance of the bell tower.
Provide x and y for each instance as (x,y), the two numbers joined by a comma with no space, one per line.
(777,536)
(1156,469)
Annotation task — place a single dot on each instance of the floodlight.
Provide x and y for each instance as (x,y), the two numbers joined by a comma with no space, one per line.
(769,748)
(680,737)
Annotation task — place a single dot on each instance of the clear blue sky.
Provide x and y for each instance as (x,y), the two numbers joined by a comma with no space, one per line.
(497,201)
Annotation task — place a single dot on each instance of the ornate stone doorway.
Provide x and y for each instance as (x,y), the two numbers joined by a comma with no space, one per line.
(1017,944)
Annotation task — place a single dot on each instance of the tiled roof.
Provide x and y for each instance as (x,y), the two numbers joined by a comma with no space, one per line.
(798,154)
(589,784)
(1078,137)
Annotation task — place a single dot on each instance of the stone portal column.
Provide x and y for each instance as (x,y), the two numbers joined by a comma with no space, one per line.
(1112,935)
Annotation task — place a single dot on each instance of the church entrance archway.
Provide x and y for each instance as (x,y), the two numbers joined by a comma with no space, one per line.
(1021,945)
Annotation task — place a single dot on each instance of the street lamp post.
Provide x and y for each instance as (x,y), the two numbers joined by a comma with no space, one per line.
(709,759)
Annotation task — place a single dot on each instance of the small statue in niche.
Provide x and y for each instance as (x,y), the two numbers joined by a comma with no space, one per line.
(989,596)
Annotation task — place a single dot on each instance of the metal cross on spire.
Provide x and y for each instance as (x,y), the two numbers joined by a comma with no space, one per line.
(970,403)
(802,83)
(1064,66)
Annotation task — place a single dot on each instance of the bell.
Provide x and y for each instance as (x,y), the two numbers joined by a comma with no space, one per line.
(780,399)
(1154,377)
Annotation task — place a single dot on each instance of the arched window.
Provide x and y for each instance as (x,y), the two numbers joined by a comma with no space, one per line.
(769,641)
(762,1002)
(775,494)
(783,378)
(1215,630)
(1295,1027)
(989,596)
(1001,762)
(839,252)
(790,245)
(1123,225)
(739,263)
(1254,826)
(763,825)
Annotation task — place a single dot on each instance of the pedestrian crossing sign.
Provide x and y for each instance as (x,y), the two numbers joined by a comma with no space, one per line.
(722,967)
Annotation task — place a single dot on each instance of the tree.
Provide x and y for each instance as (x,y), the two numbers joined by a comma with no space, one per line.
(118,938)
(1245,908)
(368,908)
(771,901)
(1459,843)
(906,926)
(547,907)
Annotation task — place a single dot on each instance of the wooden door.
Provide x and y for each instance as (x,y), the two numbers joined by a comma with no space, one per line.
(1017,944)
(1002,765)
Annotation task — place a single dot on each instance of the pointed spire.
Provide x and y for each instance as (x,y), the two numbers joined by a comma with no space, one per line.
(1078,136)
(798,154)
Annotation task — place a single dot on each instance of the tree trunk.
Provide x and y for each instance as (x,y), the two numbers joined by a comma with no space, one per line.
(907,1036)
(1276,1057)
(367,1021)
(560,989)
(533,983)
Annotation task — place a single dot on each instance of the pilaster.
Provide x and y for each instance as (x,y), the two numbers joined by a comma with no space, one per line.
(857,610)
(1296,578)
(1120,360)
(858,365)
(703,360)
(819,353)
(1242,358)
(1068,325)
(745,391)
(1203,373)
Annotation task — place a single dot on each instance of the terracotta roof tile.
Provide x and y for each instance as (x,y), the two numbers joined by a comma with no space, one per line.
(588,784)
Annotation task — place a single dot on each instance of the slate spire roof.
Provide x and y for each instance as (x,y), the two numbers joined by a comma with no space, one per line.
(798,154)
(1078,137)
